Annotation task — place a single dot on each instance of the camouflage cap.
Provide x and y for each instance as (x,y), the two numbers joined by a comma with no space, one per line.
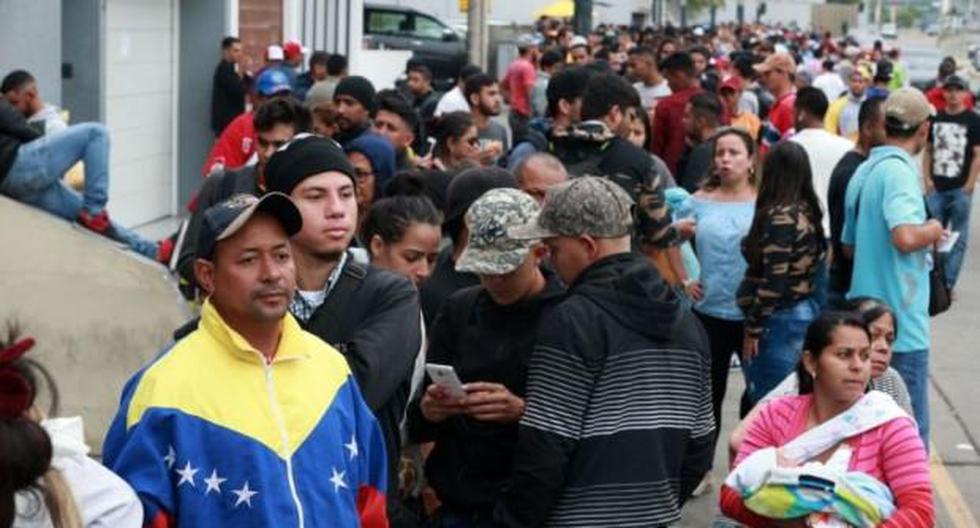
(583,206)
(490,250)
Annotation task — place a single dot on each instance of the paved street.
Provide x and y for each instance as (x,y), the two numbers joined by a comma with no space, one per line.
(955,406)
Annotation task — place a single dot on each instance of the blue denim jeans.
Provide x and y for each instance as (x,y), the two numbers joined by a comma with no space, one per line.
(914,369)
(952,208)
(780,347)
(35,177)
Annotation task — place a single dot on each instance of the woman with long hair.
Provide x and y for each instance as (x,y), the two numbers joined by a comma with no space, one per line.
(457,141)
(784,250)
(723,209)
(46,479)
(852,439)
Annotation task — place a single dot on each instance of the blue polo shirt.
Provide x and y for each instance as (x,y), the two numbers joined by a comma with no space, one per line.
(890,196)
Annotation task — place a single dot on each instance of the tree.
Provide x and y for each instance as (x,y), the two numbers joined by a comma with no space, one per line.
(696,6)
(908,15)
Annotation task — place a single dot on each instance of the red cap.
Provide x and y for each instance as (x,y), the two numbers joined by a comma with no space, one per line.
(733,83)
(293,49)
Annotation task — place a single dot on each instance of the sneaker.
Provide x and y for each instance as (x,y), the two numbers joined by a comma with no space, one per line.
(99,223)
(735,362)
(165,250)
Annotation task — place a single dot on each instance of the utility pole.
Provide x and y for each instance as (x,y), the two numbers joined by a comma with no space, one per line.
(476,19)
(583,17)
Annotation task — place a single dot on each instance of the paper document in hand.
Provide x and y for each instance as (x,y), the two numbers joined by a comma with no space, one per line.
(946,244)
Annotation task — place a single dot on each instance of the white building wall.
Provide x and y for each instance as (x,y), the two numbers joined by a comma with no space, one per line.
(139,103)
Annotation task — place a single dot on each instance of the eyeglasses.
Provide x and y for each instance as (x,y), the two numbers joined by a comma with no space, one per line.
(363,174)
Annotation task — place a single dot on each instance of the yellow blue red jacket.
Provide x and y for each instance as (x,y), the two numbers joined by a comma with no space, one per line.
(212,434)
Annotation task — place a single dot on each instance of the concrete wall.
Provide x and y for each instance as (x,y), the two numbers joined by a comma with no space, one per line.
(202,26)
(81,48)
(98,312)
(30,38)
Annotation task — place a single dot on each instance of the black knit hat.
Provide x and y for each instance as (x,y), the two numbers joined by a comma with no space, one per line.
(360,89)
(304,156)
(470,184)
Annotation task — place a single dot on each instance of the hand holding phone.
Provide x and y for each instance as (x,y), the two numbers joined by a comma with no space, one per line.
(445,377)
(445,396)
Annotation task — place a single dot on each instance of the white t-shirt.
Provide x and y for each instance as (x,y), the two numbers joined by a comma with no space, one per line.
(452,101)
(50,116)
(824,150)
(649,95)
(831,85)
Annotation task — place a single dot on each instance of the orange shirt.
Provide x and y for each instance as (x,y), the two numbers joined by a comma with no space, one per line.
(748,122)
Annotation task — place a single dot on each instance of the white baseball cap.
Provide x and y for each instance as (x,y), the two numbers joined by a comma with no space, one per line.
(274,52)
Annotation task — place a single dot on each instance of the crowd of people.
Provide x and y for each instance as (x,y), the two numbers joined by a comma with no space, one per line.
(415,310)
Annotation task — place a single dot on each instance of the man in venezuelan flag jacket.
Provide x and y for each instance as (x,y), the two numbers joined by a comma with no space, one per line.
(215,433)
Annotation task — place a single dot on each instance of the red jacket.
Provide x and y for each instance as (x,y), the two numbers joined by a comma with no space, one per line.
(938,100)
(234,146)
(668,134)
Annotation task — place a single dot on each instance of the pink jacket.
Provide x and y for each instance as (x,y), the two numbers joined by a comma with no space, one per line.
(892,453)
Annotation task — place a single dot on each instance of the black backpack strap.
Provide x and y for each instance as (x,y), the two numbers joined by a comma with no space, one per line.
(337,304)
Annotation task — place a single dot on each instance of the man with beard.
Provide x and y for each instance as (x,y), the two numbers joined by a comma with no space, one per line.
(354,98)
(483,95)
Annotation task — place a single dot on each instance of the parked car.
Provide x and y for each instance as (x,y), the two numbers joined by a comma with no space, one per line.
(889,31)
(431,41)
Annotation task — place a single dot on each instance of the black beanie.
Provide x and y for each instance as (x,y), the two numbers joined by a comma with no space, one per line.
(471,184)
(302,157)
(359,88)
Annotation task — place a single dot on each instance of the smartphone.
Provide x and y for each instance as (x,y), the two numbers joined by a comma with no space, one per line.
(430,146)
(445,377)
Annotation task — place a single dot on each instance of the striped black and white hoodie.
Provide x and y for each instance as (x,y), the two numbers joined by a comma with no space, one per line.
(618,428)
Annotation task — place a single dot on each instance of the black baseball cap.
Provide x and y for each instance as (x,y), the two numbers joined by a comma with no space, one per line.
(955,81)
(225,219)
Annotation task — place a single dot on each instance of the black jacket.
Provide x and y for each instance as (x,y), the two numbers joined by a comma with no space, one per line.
(618,420)
(591,149)
(227,96)
(14,132)
(214,190)
(373,318)
(470,464)
(443,282)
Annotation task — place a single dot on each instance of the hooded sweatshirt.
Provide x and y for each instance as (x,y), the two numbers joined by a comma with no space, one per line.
(380,153)
(618,424)
(592,149)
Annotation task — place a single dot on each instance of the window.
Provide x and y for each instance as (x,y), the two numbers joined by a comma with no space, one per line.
(428,28)
(387,23)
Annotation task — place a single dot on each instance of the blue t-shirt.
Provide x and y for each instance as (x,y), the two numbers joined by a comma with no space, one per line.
(888,186)
(720,229)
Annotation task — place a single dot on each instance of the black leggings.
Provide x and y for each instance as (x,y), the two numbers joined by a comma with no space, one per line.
(726,339)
